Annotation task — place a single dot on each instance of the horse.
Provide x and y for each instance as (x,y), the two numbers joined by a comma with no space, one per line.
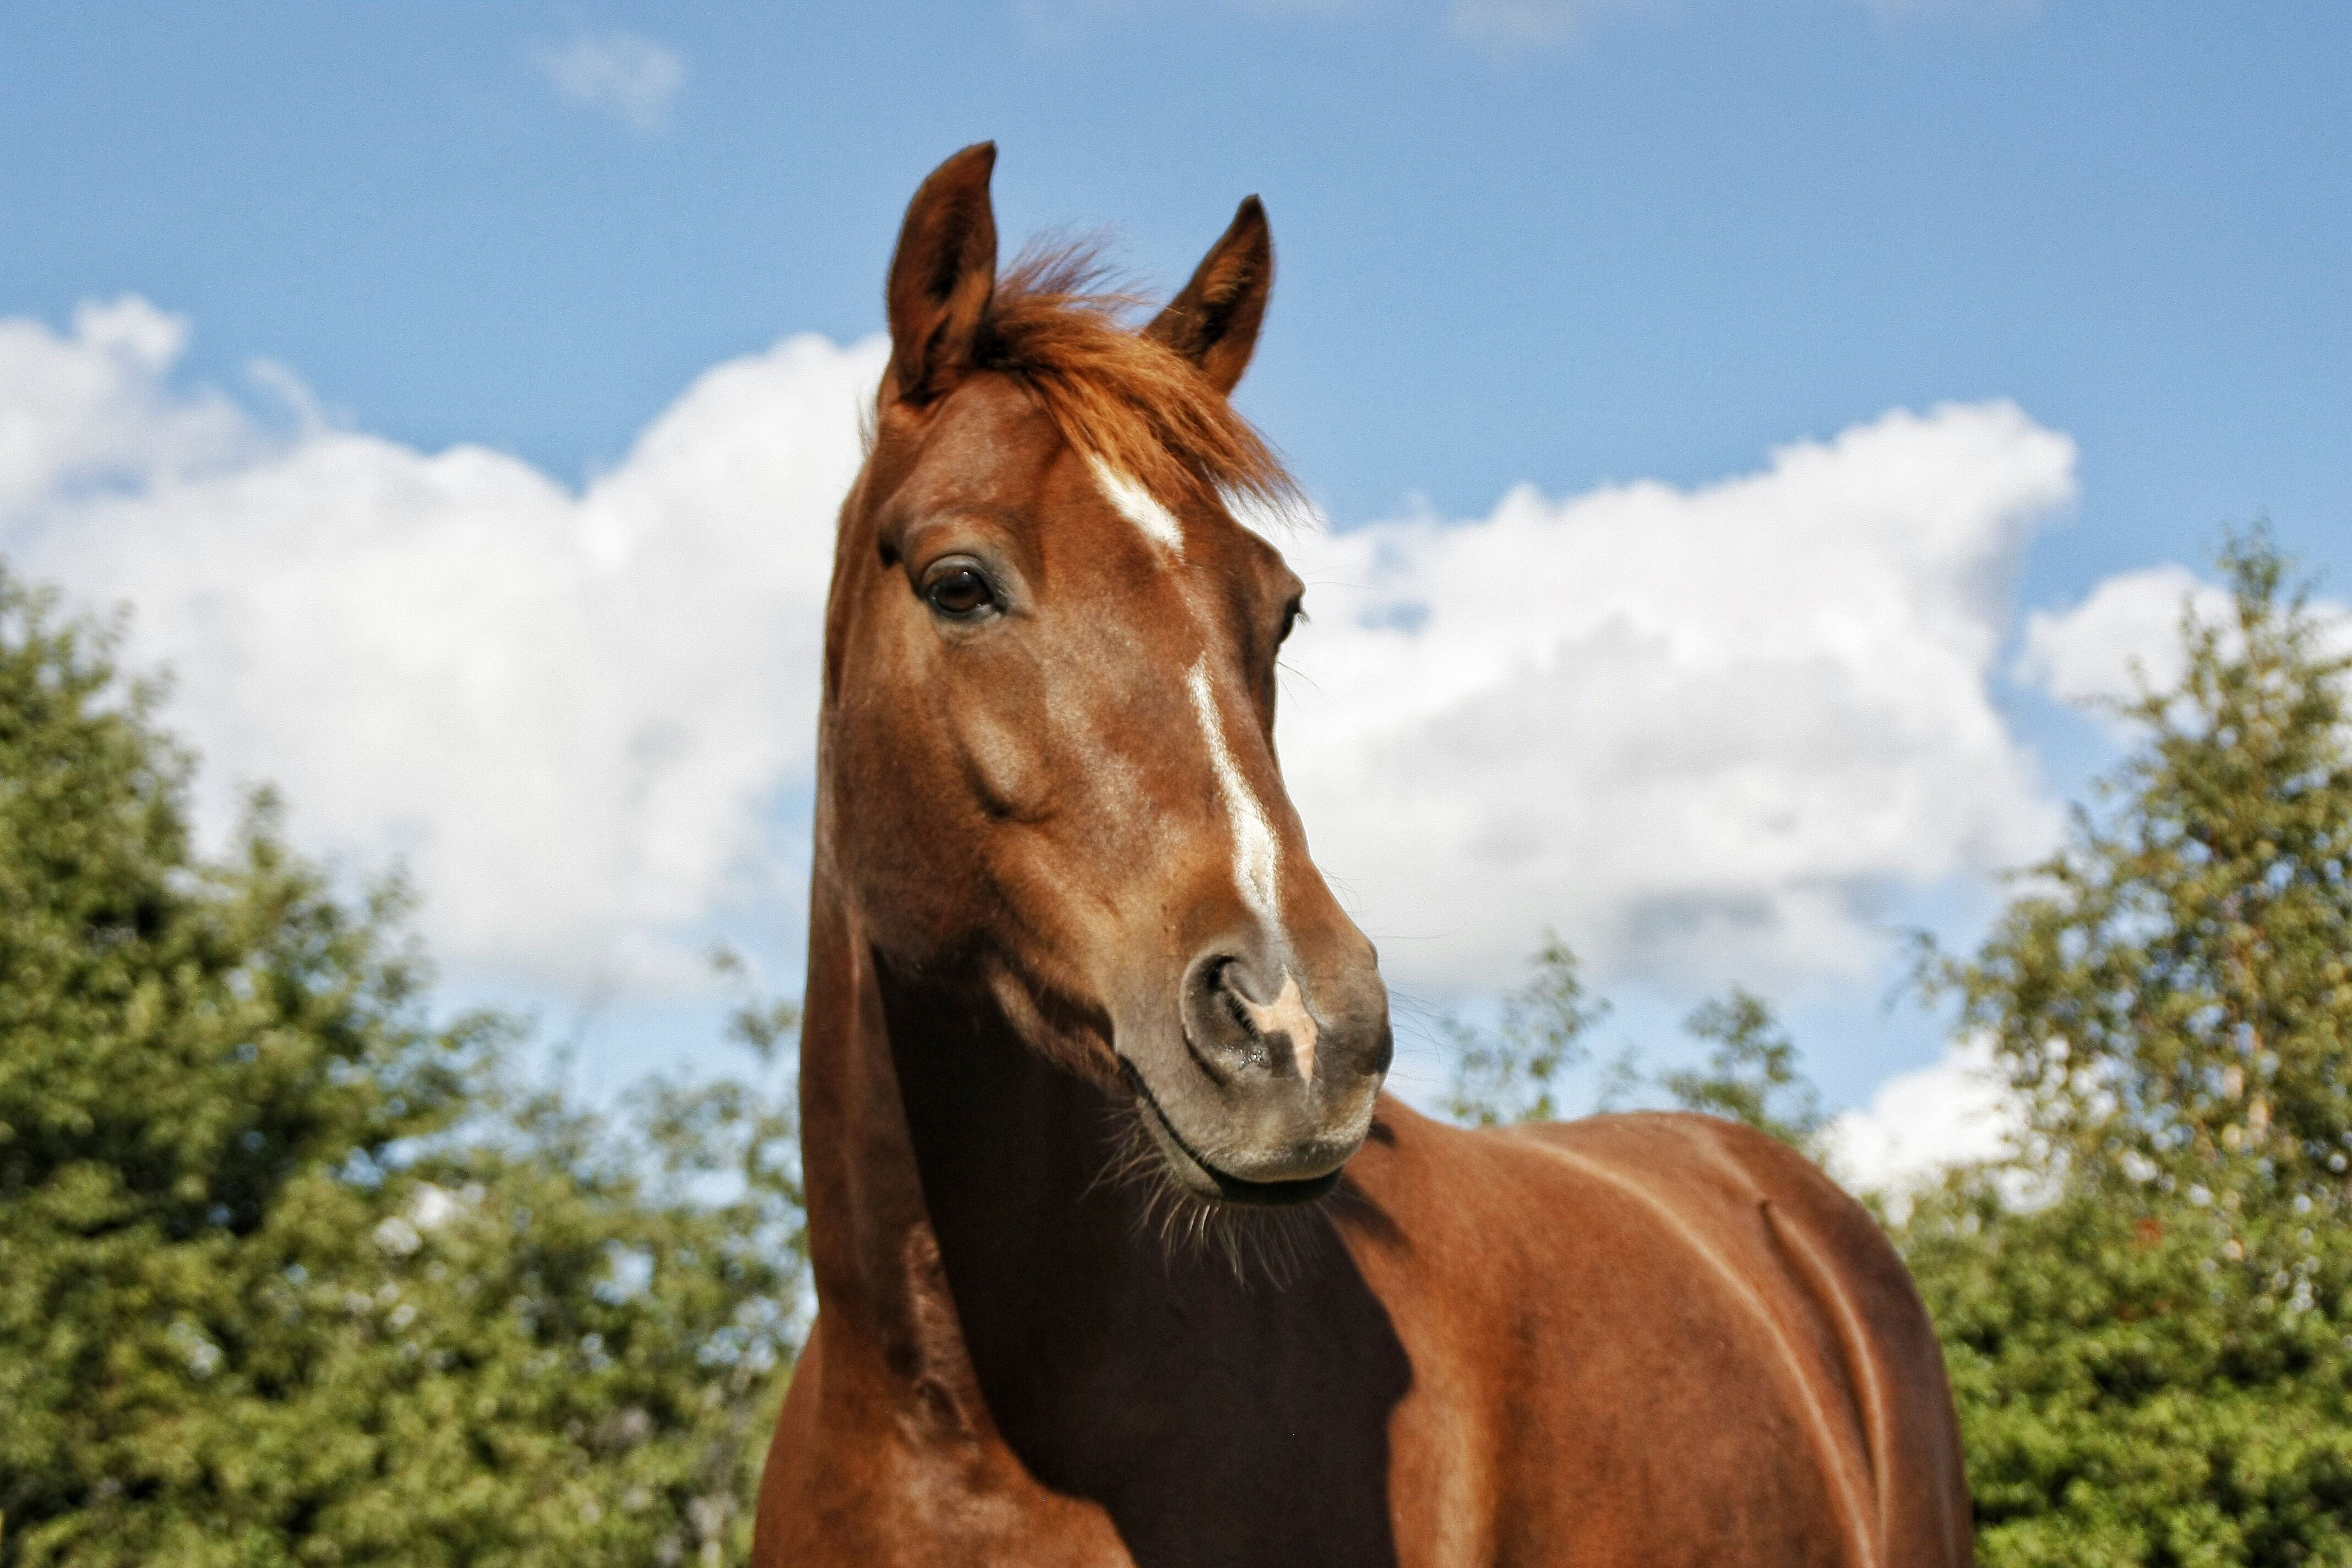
(1121,1253)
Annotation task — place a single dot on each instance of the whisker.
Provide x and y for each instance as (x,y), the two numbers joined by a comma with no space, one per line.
(1256,1245)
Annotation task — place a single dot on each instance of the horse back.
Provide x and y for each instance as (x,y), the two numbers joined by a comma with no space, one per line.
(1651,1339)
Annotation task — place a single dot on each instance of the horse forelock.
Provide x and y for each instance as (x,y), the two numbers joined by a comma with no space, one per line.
(1133,405)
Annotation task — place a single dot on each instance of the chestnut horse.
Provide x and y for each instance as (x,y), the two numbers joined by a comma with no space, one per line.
(1121,1255)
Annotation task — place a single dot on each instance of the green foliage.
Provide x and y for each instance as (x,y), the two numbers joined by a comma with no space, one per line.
(2156,1367)
(1511,1075)
(289,1274)
(1751,1075)
(2175,989)
(2148,1308)
(2132,1388)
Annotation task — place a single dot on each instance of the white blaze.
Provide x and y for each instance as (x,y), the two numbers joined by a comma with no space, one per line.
(1257,860)
(1138,505)
(1256,854)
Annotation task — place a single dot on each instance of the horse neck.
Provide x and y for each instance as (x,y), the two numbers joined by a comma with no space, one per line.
(939,1147)
(984,1277)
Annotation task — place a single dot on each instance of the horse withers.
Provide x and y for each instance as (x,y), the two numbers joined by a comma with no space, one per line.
(1121,1255)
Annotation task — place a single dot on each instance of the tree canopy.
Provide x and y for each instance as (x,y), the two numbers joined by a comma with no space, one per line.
(293,1270)
(292,1273)
(2146,1306)
(2155,1364)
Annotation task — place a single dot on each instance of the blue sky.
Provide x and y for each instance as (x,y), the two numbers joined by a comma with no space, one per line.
(1551,244)
(1688,232)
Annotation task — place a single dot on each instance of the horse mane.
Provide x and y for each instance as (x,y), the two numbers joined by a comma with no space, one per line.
(1056,323)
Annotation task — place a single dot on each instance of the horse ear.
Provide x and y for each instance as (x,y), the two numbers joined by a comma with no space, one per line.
(1214,321)
(942,275)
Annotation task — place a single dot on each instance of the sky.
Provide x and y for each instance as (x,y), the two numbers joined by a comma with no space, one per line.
(1740,429)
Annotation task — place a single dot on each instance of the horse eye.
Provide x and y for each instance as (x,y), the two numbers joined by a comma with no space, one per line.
(960,591)
(1292,614)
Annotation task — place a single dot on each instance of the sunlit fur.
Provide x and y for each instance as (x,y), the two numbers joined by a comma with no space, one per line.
(1626,1341)
(1057,325)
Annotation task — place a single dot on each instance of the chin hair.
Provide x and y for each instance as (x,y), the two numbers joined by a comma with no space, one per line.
(1258,1246)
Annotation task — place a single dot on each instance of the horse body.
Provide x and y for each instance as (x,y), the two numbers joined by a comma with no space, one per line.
(1118,1256)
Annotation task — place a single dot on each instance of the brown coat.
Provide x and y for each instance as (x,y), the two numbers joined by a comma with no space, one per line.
(1120,1255)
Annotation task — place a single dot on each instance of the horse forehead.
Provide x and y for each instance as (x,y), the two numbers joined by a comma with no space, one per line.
(990,447)
(987,442)
(1086,533)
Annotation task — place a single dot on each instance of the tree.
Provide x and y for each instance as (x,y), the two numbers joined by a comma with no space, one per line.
(2156,1366)
(1510,1075)
(290,1273)
(1513,1073)
(2147,1308)
(1752,1075)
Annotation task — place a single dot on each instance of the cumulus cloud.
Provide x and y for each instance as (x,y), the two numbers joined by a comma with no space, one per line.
(620,73)
(1706,733)
(1702,732)
(2127,631)
(89,408)
(1955,1111)
(2131,621)
(572,715)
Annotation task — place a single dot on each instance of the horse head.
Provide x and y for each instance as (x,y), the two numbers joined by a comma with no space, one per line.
(1048,763)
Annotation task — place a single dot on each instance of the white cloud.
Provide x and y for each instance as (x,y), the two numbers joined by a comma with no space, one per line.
(628,76)
(572,715)
(90,409)
(1918,1124)
(1704,733)
(2089,653)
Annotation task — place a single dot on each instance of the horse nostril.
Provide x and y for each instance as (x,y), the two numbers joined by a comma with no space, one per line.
(1243,1023)
(1217,1020)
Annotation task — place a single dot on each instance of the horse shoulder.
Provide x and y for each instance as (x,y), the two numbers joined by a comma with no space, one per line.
(1686,1315)
(855,1478)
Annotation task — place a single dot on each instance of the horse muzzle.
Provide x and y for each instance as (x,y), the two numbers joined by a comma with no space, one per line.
(1267,1089)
